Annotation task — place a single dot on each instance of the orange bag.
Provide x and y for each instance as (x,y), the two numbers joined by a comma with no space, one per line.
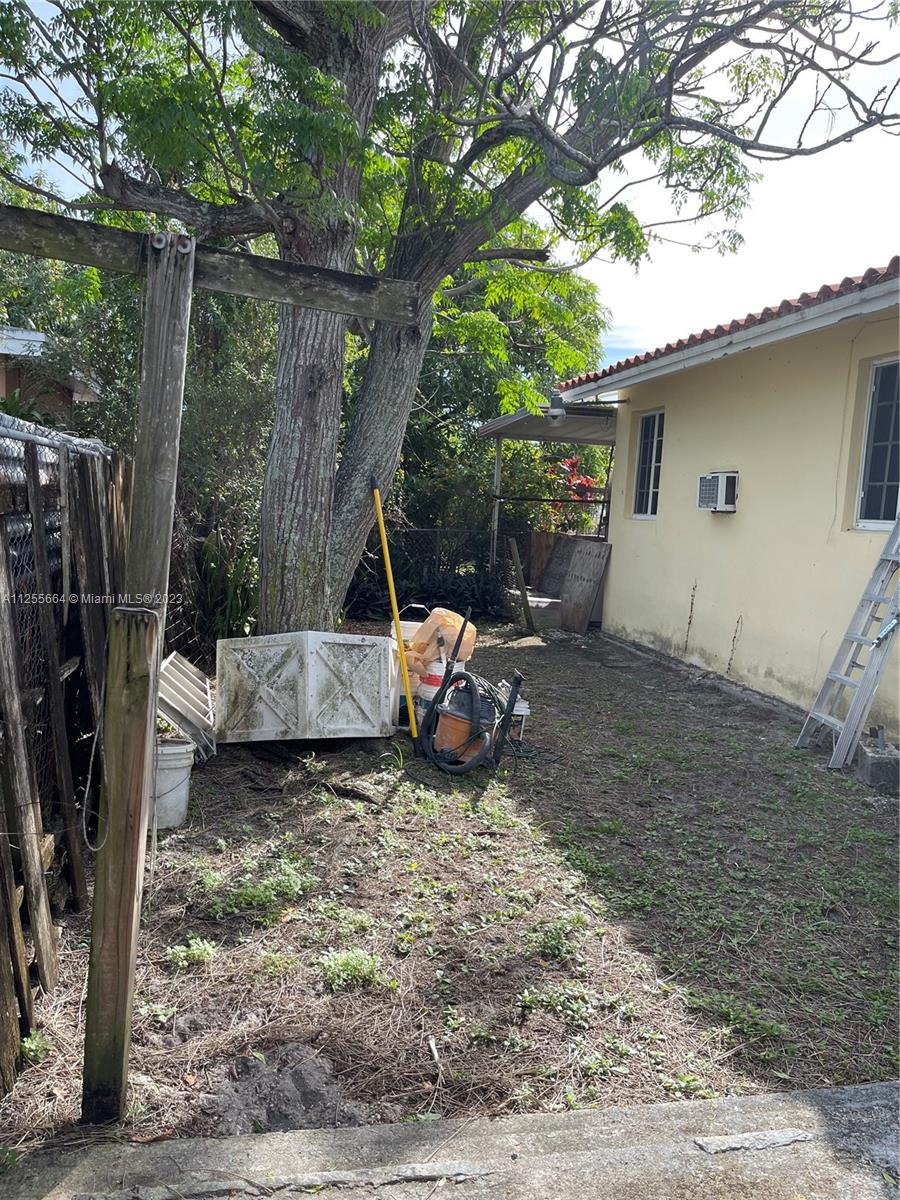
(424,649)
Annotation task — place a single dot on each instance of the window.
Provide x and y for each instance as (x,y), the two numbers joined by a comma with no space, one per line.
(881,456)
(649,461)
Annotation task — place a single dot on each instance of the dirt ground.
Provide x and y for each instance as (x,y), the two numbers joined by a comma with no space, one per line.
(660,900)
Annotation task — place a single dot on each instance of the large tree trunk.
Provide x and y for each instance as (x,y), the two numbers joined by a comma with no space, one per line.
(298,489)
(374,442)
(297,492)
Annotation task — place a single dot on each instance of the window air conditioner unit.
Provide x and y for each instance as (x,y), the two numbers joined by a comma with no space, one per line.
(717,491)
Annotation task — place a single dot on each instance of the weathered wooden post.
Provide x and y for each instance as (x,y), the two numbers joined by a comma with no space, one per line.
(135,645)
(520,581)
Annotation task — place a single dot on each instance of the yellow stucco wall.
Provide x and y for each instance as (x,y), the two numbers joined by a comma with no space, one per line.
(764,594)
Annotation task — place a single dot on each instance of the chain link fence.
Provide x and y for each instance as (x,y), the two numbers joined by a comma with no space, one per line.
(17,542)
(446,567)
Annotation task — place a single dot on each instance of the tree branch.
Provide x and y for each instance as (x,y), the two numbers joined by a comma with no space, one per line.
(517,253)
(244,218)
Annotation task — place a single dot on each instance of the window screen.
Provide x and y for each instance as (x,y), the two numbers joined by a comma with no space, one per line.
(649,462)
(881,466)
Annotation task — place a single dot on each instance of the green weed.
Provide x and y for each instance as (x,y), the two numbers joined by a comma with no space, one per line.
(192,953)
(354,968)
(263,896)
(161,1014)
(558,939)
(740,1017)
(684,1085)
(36,1047)
(276,964)
(571,1001)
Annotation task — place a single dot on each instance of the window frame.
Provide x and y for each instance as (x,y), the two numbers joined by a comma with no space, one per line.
(858,521)
(655,462)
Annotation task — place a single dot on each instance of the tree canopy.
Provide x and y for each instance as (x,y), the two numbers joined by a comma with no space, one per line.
(447,142)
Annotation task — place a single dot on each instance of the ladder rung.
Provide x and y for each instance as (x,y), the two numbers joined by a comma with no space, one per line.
(827,719)
(875,597)
(844,680)
(858,637)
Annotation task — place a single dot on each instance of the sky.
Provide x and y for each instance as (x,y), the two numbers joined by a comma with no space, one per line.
(810,221)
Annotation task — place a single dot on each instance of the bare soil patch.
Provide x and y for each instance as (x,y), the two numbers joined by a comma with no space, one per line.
(664,900)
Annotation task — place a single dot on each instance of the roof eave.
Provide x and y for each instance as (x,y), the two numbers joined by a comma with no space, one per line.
(830,312)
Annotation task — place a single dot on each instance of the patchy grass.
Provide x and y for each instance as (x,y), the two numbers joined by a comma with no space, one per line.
(193,953)
(665,902)
(571,1001)
(354,968)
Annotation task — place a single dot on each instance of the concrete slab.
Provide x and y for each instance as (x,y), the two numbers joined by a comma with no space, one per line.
(879,766)
(828,1144)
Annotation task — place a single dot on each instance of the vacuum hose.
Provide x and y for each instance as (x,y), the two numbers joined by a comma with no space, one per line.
(461,681)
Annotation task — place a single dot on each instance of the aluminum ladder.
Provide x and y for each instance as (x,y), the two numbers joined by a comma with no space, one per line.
(879,607)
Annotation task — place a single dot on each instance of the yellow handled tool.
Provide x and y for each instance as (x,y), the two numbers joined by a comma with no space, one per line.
(401,648)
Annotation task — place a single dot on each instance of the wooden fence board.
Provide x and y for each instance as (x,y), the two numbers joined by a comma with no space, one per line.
(10,1036)
(55,699)
(520,582)
(118,518)
(373,297)
(100,486)
(83,518)
(12,928)
(540,548)
(23,790)
(135,645)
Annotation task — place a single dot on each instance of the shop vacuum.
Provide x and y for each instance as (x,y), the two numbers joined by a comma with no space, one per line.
(467,723)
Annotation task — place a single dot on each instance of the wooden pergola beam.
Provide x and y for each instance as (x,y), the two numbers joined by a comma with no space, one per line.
(28,231)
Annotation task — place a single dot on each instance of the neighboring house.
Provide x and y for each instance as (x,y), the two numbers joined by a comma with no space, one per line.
(21,371)
(801,401)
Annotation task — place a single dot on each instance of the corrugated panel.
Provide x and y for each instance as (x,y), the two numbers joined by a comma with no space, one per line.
(185,700)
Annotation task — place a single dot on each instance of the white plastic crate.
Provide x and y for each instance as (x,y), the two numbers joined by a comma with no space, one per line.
(305,685)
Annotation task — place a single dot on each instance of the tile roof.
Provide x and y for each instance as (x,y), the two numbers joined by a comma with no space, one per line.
(828,291)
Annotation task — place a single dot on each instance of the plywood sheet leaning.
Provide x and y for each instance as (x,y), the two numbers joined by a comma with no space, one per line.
(582,584)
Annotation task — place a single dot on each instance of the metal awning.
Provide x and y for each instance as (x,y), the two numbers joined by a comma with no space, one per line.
(583,424)
(586,424)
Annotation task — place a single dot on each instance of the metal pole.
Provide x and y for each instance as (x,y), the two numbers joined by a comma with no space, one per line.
(401,647)
(495,513)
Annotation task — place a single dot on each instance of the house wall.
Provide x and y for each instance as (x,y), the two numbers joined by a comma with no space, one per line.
(764,594)
(51,398)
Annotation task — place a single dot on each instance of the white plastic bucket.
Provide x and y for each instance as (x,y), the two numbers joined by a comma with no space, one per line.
(429,684)
(173,783)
